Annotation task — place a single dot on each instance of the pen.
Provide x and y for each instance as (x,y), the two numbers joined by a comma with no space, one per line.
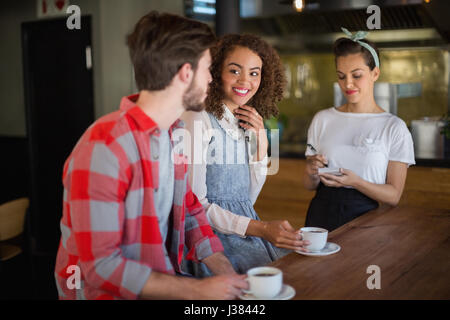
(315,151)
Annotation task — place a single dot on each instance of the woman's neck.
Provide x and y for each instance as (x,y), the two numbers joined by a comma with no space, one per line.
(230,105)
(362,107)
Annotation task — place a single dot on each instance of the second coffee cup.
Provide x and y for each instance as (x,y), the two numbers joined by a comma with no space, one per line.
(316,236)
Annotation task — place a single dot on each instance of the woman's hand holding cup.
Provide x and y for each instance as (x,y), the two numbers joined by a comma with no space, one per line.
(283,235)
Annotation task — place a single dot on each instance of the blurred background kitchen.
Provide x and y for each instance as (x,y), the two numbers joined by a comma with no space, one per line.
(54,82)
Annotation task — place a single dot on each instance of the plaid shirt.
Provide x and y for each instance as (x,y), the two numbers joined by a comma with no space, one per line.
(109,227)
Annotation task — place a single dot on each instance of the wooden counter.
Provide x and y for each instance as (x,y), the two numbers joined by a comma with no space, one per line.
(410,246)
(284,197)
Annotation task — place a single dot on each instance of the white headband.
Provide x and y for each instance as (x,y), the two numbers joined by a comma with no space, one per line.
(359,36)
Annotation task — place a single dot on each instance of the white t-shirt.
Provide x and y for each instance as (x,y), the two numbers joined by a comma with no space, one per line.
(361,142)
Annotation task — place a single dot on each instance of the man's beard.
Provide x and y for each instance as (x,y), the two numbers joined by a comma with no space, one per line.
(192,98)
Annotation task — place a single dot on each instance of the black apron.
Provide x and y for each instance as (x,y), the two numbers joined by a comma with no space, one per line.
(333,207)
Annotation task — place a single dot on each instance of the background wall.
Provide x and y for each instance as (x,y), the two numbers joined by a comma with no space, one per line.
(117,19)
(313,74)
(111,21)
(12,108)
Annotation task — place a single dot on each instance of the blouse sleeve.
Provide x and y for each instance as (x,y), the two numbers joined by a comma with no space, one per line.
(258,169)
(402,145)
(258,173)
(312,136)
(220,219)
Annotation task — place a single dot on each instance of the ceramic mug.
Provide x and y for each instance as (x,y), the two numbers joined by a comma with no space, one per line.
(264,282)
(316,236)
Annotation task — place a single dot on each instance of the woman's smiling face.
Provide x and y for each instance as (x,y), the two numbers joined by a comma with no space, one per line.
(241,76)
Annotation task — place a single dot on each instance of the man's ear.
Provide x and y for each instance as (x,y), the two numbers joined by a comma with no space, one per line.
(185,73)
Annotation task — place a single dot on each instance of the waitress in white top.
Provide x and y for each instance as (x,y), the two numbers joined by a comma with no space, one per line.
(372,149)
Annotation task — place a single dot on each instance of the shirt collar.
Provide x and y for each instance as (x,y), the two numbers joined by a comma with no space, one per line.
(231,124)
(145,123)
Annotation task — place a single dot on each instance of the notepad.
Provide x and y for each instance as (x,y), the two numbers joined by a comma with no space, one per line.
(334,171)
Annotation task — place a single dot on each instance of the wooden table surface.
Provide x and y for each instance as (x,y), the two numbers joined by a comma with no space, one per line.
(411,246)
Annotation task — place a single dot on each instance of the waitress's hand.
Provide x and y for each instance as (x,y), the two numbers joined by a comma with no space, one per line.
(313,163)
(348,179)
(254,123)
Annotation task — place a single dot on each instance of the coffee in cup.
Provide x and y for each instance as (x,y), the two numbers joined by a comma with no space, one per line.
(264,282)
(317,238)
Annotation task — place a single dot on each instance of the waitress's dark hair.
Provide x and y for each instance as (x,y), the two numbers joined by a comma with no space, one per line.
(345,46)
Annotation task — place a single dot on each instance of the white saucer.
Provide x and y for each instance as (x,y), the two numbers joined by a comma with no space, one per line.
(286,293)
(329,248)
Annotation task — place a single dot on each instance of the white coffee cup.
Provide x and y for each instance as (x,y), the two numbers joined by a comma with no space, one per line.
(316,236)
(264,282)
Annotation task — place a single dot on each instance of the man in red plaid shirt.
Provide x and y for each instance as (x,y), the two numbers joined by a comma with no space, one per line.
(129,213)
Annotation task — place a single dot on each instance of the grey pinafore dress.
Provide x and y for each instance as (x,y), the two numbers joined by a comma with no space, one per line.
(228,186)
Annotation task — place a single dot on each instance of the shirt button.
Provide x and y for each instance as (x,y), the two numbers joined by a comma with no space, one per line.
(155,157)
(156,189)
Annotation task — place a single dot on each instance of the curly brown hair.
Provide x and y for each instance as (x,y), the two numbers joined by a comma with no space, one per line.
(273,79)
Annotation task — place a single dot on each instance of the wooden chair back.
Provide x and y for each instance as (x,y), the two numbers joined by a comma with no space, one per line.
(12,218)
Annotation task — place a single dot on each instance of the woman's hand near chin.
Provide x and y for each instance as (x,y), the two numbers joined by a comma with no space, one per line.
(254,122)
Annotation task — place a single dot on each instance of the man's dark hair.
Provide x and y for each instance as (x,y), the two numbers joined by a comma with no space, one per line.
(161,44)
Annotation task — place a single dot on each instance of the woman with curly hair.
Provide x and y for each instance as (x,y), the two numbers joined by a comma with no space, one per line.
(229,147)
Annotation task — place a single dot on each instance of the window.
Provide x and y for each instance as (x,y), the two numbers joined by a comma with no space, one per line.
(200,9)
